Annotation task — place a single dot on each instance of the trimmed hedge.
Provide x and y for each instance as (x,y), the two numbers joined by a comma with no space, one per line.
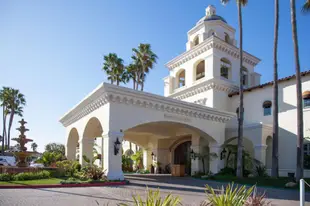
(25,176)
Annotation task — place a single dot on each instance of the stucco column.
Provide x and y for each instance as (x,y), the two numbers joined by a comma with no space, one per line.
(195,163)
(260,153)
(147,159)
(112,163)
(216,164)
(86,148)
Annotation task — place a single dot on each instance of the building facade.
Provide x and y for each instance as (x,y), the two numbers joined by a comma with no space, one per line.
(197,116)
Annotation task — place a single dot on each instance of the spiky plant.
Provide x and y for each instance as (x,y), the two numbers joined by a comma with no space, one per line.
(153,198)
(230,196)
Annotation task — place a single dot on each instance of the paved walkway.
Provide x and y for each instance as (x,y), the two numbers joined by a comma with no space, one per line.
(190,190)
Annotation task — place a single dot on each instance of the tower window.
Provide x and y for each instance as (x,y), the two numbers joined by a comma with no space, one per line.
(227,39)
(267,108)
(181,78)
(196,41)
(245,77)
(225,68)
(200,70)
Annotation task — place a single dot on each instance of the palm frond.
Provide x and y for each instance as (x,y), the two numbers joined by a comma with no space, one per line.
(306,7)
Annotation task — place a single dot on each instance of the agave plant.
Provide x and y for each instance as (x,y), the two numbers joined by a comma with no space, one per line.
(257,200)
(154,199)
(230,196)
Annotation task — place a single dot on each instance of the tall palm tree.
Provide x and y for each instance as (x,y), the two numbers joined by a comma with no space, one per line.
(147,58)
(34,147)
(16,101)
(240,3)
(275,139)
(114,68)
(300,123)
(4,104)
(132,70)
(306,7)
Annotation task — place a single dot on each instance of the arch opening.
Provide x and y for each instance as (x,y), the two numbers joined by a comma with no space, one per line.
(72,144)
(200,70)
(225,68)
(181,78)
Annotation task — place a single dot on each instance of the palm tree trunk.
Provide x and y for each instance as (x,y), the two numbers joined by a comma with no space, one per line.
(10,126)
(142,78)
(134,84)
(300,124)
(241,110)
(275,139)
(3,132)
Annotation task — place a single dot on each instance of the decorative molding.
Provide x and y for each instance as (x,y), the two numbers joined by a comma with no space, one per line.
(107,93)
(251,126)
(212,42)
(220,85)
(113,134)
(179,118)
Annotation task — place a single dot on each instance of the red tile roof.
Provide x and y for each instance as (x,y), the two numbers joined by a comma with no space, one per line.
(270,83)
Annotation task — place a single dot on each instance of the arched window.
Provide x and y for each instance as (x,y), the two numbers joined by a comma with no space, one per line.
(306,99)
(267,108)
(227,39)
(244,76)
(200,70)
(211,33)
(225,68)
(196,41)
(181,78)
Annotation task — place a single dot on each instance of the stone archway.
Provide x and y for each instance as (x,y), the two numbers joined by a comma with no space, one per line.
(72,144)
(182,156)
(231,146)
(92,132)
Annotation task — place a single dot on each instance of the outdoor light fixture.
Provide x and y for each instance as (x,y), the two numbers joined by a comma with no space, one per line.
(152,156)
(117,146)
(193,155)
(223,154)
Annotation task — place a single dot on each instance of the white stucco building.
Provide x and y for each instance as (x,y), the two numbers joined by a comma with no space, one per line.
(197,112)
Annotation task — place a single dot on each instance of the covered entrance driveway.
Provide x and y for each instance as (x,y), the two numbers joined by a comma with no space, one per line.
(163,126)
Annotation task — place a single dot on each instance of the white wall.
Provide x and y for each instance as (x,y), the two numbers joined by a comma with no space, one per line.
(253,102)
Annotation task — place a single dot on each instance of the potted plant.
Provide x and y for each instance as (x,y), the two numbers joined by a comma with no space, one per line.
(157,167)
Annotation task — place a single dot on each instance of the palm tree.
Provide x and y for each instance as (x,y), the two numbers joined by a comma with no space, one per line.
(114,68)
(4,104)
(34,147)
(306,7)
(240,3)
(16,101)
(300,124)
(275,139)
(147,58)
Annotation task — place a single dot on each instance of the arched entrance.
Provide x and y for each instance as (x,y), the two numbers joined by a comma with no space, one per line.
(72,144)
(182,156)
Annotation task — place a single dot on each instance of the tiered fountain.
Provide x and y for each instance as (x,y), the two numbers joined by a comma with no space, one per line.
(22,154)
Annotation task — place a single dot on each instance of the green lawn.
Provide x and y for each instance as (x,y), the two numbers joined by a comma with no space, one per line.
(259,181)
(33,182)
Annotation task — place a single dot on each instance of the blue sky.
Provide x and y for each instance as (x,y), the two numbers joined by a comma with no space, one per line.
(52,50)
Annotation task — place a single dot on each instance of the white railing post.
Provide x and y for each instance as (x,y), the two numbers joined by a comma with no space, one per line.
(302,192)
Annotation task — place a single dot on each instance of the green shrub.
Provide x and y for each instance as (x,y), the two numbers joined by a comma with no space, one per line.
(92,172)
(71,180)
(154,199)
(32,175)
(68,167)
(260,171)
(234,196)
(227,171)
(6,177)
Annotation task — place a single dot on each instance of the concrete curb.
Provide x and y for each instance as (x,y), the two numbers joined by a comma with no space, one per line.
(63,185)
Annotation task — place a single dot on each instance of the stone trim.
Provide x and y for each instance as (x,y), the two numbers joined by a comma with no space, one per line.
(220,85)
(107,93)
(212,42)
(113,134)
